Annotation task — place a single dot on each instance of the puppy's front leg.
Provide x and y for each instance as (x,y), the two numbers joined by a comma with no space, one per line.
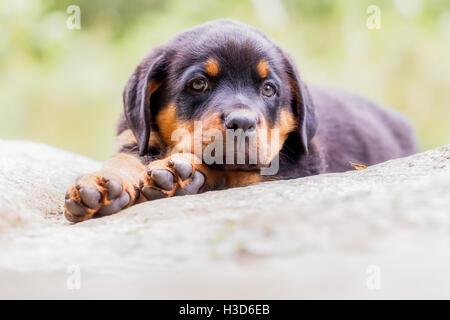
(178,174)
(183,173)
(108,191)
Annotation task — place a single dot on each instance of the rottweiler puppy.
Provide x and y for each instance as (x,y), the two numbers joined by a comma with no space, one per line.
(198,108)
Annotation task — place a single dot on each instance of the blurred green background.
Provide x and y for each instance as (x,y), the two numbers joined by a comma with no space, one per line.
(64,87)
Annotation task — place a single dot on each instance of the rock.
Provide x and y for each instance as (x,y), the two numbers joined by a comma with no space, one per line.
(382,232)
(33,181)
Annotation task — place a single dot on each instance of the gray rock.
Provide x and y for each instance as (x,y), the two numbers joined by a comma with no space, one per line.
(382,232)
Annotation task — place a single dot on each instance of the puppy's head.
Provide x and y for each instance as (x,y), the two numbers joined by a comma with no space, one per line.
(221,78)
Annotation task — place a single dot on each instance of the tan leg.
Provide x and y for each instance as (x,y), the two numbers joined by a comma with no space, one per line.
(124,181)
(181,174)
(105,192)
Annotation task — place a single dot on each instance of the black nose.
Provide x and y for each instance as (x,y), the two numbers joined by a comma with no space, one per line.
(241,120)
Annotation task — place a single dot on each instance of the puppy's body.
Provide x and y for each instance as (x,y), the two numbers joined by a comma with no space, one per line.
(227,76)
(351,129)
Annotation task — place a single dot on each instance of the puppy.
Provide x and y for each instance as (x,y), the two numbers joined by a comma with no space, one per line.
(220,106)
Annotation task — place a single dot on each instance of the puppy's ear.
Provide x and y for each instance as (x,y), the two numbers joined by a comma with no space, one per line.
(302,105)
(144,81)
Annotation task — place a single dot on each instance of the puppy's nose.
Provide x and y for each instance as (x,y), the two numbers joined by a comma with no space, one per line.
(241,120)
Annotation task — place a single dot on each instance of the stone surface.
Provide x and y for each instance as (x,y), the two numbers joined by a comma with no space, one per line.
(382,232)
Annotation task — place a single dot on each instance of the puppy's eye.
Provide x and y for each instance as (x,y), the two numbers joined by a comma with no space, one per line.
(198,85)
(268,89)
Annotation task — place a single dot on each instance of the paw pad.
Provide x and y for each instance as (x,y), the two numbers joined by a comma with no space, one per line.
(95,195)
(177,179)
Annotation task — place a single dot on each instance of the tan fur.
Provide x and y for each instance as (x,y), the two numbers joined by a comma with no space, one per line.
(263,68)
(168,122)
(286,125)
(268,148)
(212,67)
(152,87)
(212,121)
(241,178)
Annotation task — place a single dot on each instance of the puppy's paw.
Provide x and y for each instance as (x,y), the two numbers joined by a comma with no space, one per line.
(173,176)
(99,195)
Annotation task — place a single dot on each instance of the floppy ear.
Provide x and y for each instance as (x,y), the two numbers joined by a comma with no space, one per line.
(302,105)
(145,80)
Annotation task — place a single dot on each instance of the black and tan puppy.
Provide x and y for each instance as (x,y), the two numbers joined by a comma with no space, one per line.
(226,76)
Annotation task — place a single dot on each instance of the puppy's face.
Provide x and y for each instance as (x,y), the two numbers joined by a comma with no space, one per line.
(222,90)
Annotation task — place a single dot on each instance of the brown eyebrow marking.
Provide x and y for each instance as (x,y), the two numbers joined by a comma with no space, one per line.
(212,67)
(263,68)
